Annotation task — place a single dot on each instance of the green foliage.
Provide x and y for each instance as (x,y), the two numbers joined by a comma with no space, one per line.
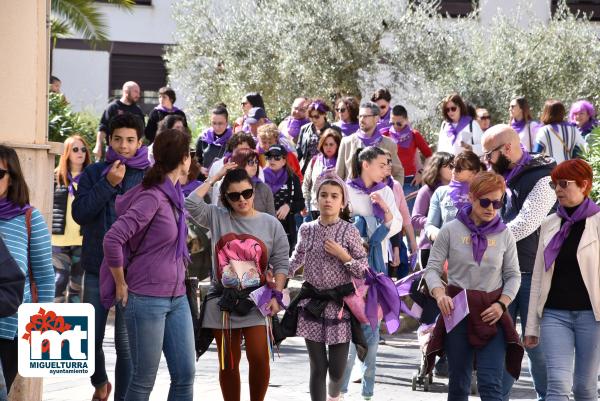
(593,157)
(63,122)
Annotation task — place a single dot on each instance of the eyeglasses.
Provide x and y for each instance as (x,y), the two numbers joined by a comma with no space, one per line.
(366,115)
(450,109)
(252,162)
(315,116)
(3,173)
(75,149)
(485,118)
(397,124)
(274,157)
(302,109)
(341,110)
(485,203)
(487,156)
(560,183)
(235,196)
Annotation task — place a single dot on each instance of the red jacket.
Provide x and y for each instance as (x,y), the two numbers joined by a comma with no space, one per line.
(407,155)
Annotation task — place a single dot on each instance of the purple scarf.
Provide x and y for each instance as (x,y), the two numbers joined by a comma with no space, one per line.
(523,161)
(458,192)
(211,138)
(586,209)
(190,187)
(404,138)
(10,210)
(384,122)
(359,185)
(372,140)
(160,107)
(294,125)
(389,182)
(327,162)
(175,195)
(382,292)
(453,130)
(518,125)
(348,128)
(275,179)
(72,181)
(479,233)
(138,161)
(255,179)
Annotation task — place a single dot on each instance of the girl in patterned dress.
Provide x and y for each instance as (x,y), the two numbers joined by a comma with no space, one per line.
(331,251)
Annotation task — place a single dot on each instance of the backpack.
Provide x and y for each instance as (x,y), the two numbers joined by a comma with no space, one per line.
(241,261)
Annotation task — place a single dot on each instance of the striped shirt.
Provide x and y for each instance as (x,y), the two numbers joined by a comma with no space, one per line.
(14,235)
(559,141)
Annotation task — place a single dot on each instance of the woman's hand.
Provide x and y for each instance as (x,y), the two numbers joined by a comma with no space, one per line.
(376,198)
(283,211)
(492,314)
(445,304)
(121,294)
(531,341)
(226,167)
(273,306)
(335,249)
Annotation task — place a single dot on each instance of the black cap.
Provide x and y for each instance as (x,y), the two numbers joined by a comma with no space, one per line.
(255,114)
(276,150)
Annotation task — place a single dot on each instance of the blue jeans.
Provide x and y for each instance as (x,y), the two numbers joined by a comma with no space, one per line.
(155,325)
(408,189)
(123,368)
(568,336)
(537,360)
(489,362)
(368,366)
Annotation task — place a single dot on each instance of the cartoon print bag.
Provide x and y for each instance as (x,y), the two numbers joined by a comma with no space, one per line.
(241,261)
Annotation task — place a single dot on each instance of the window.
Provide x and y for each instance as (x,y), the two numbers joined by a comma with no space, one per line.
(457,8)
(589,7)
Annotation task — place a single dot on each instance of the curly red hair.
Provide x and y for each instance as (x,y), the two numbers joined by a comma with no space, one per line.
(577,170)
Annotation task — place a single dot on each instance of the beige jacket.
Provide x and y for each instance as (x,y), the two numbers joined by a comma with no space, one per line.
(588,256)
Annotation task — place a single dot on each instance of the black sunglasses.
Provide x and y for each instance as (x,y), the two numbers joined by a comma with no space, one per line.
(397,123)
(75,149)
(559,183)
(451,108)
(252,162)
(274,157)
(3,173)
(341,110)
(485,203)
(235,196)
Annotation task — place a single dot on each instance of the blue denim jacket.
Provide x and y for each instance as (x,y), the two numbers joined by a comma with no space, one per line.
(376,259)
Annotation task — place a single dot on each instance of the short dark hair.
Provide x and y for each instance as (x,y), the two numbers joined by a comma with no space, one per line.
(169,122)
(165,90)
(170,149)
(431,171)
(18,192)
(126,120)
(54,79)
(381,94)
(255,99)
(554,112)
(399,111)
(237,139)
(220,110)
(232,177)
(367,154)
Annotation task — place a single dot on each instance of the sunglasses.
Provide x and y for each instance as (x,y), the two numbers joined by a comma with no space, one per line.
(485,203)
(235,196)
(75,149)
(450,109)
(560,183)
(341,110)
(487,156)
(3,173)
(485,118)
(252,162)
(274,157)
(397,124)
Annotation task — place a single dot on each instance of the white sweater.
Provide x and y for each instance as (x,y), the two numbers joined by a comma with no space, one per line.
(471,135)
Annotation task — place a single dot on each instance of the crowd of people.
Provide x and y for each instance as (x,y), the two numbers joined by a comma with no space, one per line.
(350,196)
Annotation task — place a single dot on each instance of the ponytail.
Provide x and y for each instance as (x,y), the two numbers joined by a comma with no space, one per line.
(154,176)
(171,148)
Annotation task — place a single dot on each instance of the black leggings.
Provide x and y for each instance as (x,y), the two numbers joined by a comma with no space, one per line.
(9,351)
(319,365)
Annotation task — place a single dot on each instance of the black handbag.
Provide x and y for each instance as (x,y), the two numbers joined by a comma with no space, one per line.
(12,283)
(203,337)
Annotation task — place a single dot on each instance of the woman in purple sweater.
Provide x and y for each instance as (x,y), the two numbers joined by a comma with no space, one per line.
(149,240)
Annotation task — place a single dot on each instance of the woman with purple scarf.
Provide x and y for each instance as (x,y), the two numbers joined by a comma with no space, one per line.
(382,97)
(483,279)
(166,107)
(522,121)
(458,132)
(211,143)
(148,241)
(66,233)
(447,200)
(328,147)
(564,305)
(346,111)
(583,115)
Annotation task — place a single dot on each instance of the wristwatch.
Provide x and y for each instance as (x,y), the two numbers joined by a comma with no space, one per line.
(501,305)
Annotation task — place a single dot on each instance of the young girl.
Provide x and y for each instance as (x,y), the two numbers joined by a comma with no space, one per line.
(66,235)
(286,189)
(330,249)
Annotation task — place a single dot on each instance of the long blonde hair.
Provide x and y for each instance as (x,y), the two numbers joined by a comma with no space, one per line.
(63,168)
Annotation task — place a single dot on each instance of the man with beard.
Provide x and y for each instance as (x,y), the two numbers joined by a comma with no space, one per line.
(126,104)
(529,199)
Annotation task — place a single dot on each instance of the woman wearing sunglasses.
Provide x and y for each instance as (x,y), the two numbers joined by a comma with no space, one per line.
(66,235)
(346,111)
(458,132)
(482,259)
(564,305)
(232,226)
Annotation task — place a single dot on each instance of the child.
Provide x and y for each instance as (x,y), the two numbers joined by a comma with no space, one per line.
(330,249)
(286,188)
(94,210)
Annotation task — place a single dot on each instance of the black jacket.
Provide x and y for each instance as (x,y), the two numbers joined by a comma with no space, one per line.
(59,209)
(304,155)
(157,116)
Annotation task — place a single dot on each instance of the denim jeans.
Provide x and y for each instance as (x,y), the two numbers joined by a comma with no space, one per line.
(155,325)
(568,336)
(537,360)
(408,189)
(489,363)
(123,368)
(3,395)
(368,366)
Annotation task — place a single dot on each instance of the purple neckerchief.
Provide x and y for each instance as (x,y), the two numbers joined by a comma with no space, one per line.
(293,126)
(209,136)
(459,193)
(479,233)
(384,122)
(586,209)
(452,130)
(523,161)
(275,179)
(72,181)
(162,108)
(518,125)
(327,162)
(10,210)
(190,187)
(382,292)
(372,140)
(139,160)
(175,195)
(348,128)
(389,181)
(359,185)
(403,138)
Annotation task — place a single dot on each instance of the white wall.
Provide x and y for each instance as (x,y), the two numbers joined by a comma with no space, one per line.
(530,12)
(84,76)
